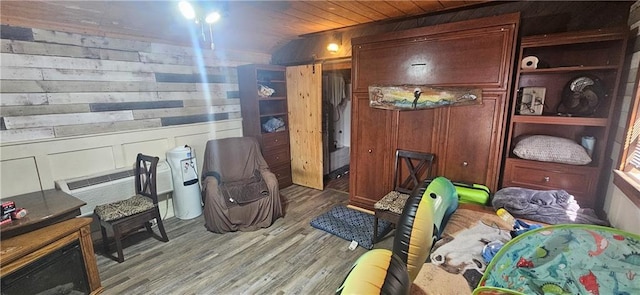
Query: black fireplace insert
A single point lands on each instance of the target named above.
(61, 272)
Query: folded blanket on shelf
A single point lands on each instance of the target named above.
(550, 206)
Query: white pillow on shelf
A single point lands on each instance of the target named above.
(547, 148)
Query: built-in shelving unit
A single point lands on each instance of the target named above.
(562, 58)
(264, 116)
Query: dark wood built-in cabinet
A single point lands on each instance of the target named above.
(258, 109)
(562, 58)
(467, 140)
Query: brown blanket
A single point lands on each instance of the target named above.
(236, 160)
(244, 191)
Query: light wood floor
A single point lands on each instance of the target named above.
(290, 257)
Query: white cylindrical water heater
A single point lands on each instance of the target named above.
(186, 190)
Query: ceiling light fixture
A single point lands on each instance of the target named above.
(333, 47)
(335, 41)
(202, 13)
(212, 17)
(187, 10)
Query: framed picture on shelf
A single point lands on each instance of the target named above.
(532, 100)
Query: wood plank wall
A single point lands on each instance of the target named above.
(73, 105)
(56, 84)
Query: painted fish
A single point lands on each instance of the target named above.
(467, 96)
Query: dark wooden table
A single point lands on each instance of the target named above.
(44, 208)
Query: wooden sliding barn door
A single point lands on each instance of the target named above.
(304, 101)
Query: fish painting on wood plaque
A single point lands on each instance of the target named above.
(416, 97)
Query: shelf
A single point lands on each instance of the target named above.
(570, 38)
(568, 69)
(273, 114)
(272, 98)
(558, 120)
(279, 131)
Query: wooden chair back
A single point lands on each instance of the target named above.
(146, 176)
(411, 169)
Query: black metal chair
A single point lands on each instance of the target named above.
(410, 170)
(131, 214)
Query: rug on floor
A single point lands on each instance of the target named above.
(351, 225)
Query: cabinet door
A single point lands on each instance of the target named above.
(370, 153)
(475, 57)
(417, 130)
(304, 101)
(471, 142)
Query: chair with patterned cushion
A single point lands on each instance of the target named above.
(124, 216)
(410, 170)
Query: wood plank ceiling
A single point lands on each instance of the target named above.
(260, 26)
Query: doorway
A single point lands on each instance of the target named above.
(336, 123)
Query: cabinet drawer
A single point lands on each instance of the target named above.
(579, 181)
(283, 174)
(277, 156)
(274, 140)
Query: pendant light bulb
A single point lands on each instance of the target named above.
(187, 10)
(212, 17)
(333, 47)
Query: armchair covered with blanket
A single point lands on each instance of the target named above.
(238, 189)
